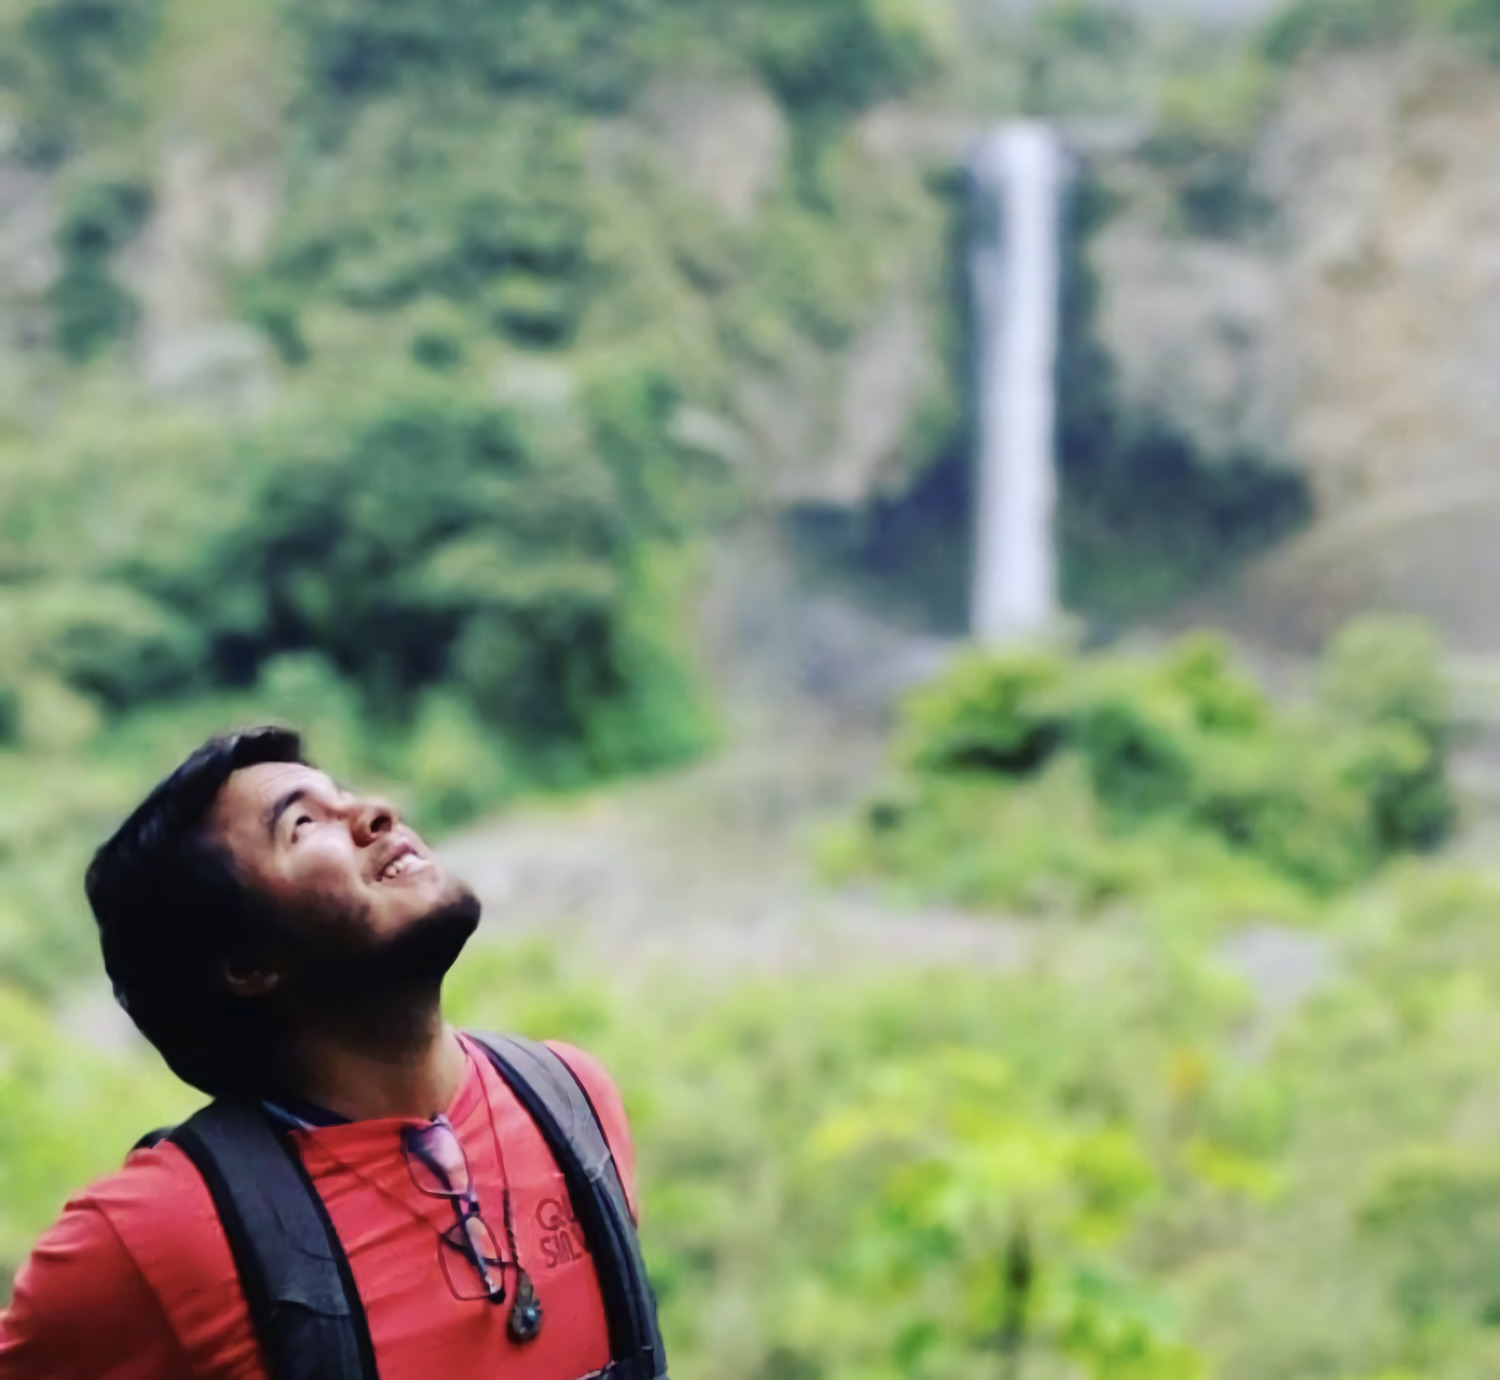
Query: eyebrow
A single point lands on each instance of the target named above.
(282, 805)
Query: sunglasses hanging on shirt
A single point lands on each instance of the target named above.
(435, 1156)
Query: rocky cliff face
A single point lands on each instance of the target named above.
(28, 259)
(1350, 325)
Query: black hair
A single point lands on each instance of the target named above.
(172, 911)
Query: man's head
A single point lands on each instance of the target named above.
(250, 892)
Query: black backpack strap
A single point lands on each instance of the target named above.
(556, 1101)
(296, 1278)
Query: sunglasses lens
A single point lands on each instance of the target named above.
(436, 1160)
(463, 1250)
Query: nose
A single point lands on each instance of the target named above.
(371, 819)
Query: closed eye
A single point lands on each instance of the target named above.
(298, 823)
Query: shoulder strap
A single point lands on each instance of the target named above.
(555, 1100)
(293, 1270)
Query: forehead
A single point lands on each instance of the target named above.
(248, 798)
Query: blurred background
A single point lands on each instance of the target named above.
(962, 656)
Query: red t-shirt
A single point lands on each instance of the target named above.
(136, 1282)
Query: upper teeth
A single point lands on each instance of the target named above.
(397, 866)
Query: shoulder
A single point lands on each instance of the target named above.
(161, 1211)
(155, 1205)
(161, 1208)
(606, 1100)
(83, 1303)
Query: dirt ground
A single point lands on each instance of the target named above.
(713, 866)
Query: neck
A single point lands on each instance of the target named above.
(397, 1059)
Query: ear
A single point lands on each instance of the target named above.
(245, 980)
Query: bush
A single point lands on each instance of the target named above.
(1382, 685)
(1434, 1213)
(843, 55)
(1137, 741)
(105, 640)
(431, 534)
(74, 64)
(1036, 783)
(983, 716)
(418, 537)
(90, 310)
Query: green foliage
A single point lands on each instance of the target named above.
(1382, 678)
(1385, 1221)
(426, 534)
(880, 1176)
(444, 217)
(358, 49)
(490, 222)
(1054, 787)
(522, 587)
(1307, 28)
(75, 64)
(1074, 50)
(90, 309)
(67, 1114)
(842, 56)
(419, 537)
(1477, 23)
(1008, 720)
(107, 641)
(454, 766)
(1436, 1214)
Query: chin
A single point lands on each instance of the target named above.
(428, 942)
(400, 904)
(408, 939)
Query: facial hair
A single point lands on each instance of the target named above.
(339, 965)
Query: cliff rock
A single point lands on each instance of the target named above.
(1351, 327)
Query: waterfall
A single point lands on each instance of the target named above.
(1018, 174)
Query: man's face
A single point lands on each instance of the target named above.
(348, 881)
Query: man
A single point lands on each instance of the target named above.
(283, 944)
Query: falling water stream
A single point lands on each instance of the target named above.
(1019, 173)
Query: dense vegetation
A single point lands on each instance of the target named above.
(1036, 783)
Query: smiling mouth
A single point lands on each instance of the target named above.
(403, 865)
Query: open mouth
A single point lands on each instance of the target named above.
(405, 862)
